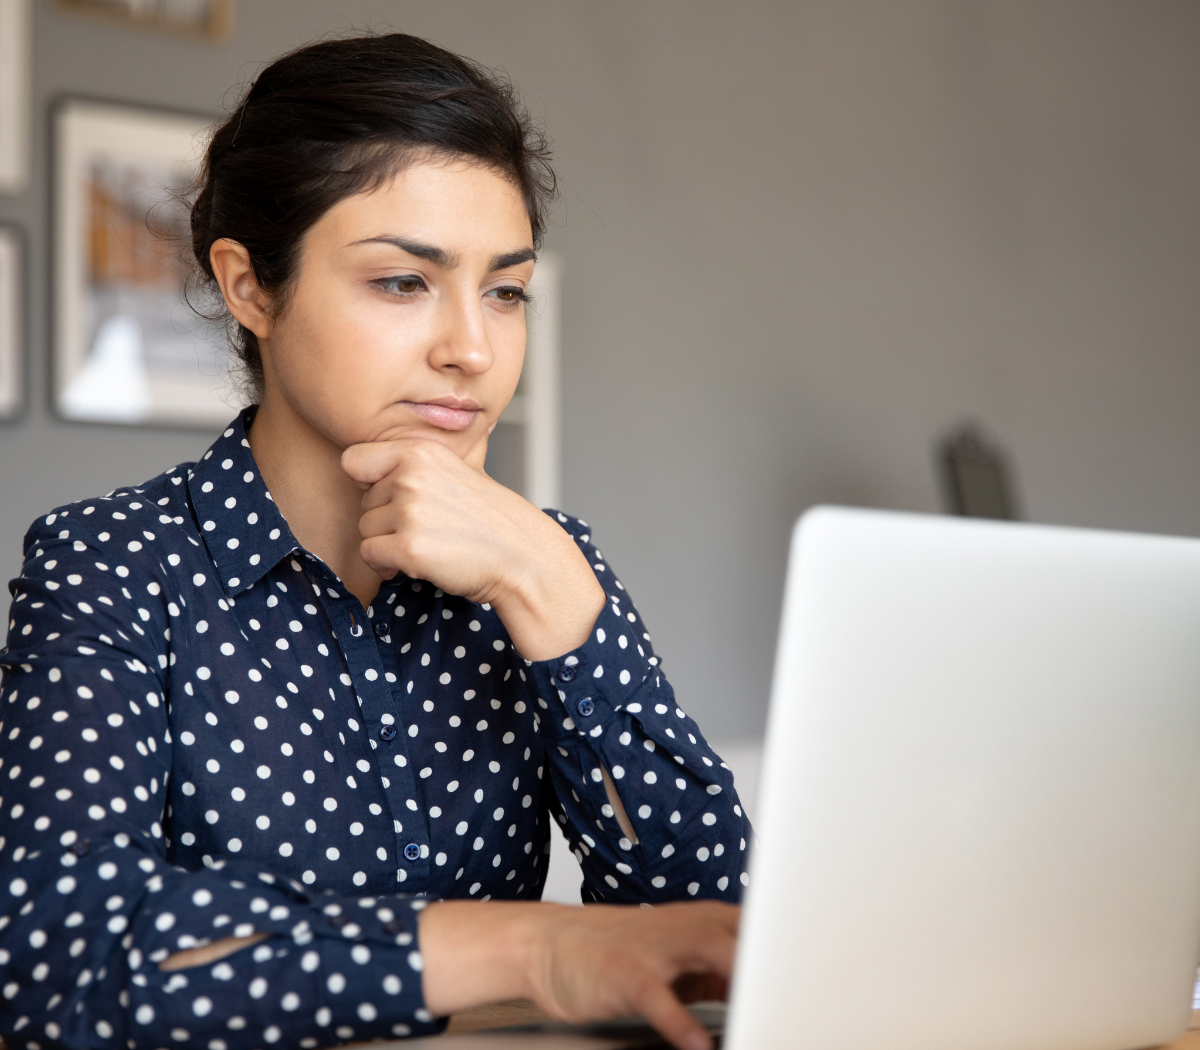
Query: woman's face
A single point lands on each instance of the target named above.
(408, 316)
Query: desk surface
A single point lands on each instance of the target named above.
(524, 1011)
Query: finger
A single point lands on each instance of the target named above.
(378, 556)
(700, 988)
(371, 461)
(658, 1005)
(381, 520)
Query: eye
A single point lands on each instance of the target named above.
(404, 284)
(511, 294)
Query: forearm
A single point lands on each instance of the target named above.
(479, 952)
(549, 604)
(578, 964)
(649, 809)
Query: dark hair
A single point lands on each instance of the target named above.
(340, 117)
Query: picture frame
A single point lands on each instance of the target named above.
(206, 19)
(127, 347)
(12, 323)
(15, 46)
(525, 449)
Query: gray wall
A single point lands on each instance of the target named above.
(801, 240)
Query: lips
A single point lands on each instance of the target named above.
(447, 413)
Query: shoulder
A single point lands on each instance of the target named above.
(130, 519)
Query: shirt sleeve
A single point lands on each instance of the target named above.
(90, 904)
(608, 705)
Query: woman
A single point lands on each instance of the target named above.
(280, 722)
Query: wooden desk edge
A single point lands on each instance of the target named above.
(524, 1011)
(505, 1014)
(514, 1012)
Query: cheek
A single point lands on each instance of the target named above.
(507, 337)
(322, 366)
(330, 343)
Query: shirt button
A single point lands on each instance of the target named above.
(81, 848)
(586, 707)
(387, 732)
(412, 851)
(567, 673)
(381, 629)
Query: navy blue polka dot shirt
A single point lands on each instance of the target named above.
(205, 735)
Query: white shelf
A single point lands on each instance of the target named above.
(535, 408)
(517, 411)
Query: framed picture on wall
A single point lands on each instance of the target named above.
(15, 46)
(212, 19)
(127, 347)
(12, 324)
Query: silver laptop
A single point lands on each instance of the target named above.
(980, 818)
(979, 825)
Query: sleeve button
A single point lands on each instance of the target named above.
(586, 707)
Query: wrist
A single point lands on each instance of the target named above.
(479, 952)
(525, 947)
(550, 602)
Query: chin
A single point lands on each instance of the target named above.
(457, 441)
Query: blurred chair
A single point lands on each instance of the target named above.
(976, 477)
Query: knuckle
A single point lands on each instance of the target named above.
(425, 453)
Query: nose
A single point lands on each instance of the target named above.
(462, 342)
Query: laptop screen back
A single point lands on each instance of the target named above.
(979, 821)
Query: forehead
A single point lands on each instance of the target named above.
(453, 204)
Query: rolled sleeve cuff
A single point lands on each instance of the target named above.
(335, 968)
(578, 692)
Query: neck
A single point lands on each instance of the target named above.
(302, 470)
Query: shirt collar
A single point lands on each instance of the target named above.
(240, 524)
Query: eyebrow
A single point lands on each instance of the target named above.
(448, 261)
(521, 255)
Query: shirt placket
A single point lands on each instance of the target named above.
(389, 744)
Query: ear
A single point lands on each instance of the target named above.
(245, 300)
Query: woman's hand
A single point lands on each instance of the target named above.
(433, 516)
(581, 964)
